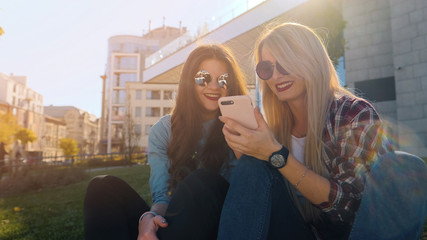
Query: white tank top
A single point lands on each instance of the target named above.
(298, 152)
(298, 148)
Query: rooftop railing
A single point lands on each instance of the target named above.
(208, 26)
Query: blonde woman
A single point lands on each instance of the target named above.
(304, 169)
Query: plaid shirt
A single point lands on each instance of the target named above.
(354, 137)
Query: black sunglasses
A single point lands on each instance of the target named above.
(203, 77)
(265, 69)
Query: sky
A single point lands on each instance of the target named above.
(61, 46)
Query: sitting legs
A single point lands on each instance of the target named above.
(195, 207)
(112, 209)
(258, 205)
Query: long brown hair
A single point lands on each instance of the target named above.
(187, 122)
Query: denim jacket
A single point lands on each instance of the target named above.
(158, 141)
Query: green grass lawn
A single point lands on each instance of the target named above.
(57, 213)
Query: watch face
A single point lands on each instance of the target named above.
(277, 160)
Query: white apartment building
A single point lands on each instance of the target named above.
(146, 103)
(26, 105)
(125, 64)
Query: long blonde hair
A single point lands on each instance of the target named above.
(299, 49)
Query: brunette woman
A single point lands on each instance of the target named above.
(189, 159)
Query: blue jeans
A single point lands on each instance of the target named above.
(258, 206)
(394, 204)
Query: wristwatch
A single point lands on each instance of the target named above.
(278, 159)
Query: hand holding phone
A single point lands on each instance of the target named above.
(238, 108)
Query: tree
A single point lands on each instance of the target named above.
(329, 17)
(132, 133)
(25, 135)
(325, 17)
(68, 146)
(8, 127)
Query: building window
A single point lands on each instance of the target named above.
(119, 96)
(147, 129)
(120, 79)
(138, 94)
(377, 90)
(125, 62)
(153, 94)
(152, 112)
(117, 131)
(137, 129)
(166, 110)
(119, 113)
(168, 95)
(138, 112)
(49, 130)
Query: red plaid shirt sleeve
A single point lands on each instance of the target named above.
(354, 137)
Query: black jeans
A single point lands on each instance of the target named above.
(112, 208)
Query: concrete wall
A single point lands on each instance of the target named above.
(409, 40)
(388, 38)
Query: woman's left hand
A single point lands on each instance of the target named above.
(259, 143)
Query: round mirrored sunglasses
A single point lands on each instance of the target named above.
(203, 77)
(265, 69)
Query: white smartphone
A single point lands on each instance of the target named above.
(240, 109)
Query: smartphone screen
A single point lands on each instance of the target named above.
(240, 109)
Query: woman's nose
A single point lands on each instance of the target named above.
(213, 84)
